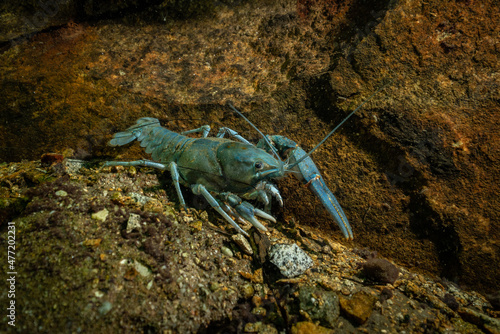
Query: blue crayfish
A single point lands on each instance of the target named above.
(224, 171)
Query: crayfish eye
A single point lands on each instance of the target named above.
(258, 165)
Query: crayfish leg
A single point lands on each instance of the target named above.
(199, 189)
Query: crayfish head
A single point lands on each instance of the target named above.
(247, 165)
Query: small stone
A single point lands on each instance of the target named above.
(61, 193)
(345, 291)
(259, 327)
(263, 244)
(252, 327)
(290, 259)
(51, 158)
(450, 301)
(132, 171)
(226, 251)
(116, 196)
(245, 274)
(247, 291)
(335, 247)
(101, 215)
(197, 225)
(380, 271)
(170, 213)
(258, 276)
(257, 301)
(259, 311)
(386, 294)
(214, 286)
(142, 269)
(359, 307)
(131, 274)
(73, 165)
(153, 205)
(92, 242)
(105, 308)
(134, 222)
(320, 305)
(243, 243)
(306, 327)
(141, 199)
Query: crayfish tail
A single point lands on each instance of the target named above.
(143, 125)
(122, 138)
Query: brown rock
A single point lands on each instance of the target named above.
(130, 274)
(451, 301)
(359, 307)
(51, 158)
(306, 327)
(488, 324)
(380, 271)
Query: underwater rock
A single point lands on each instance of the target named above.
(450, 301)
(243, 243)
(359, 307)
(226, 251)
(105, 308)
(48, 159)
(494, 299)
(306, 327)
(183, 272)
(320, 305)
(134, 222)
(101, 215)
(290, 259)
(380, 271)
(61, 193)
(141, 199)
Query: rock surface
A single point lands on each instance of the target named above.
(359, 308)
(173, 275)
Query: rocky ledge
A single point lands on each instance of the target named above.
(106, 250)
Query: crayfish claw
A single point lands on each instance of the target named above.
(275, 193)
(263, 188)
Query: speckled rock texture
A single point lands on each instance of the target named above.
(415, 170)
(290, 259)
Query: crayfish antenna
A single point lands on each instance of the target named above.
(338, 126)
